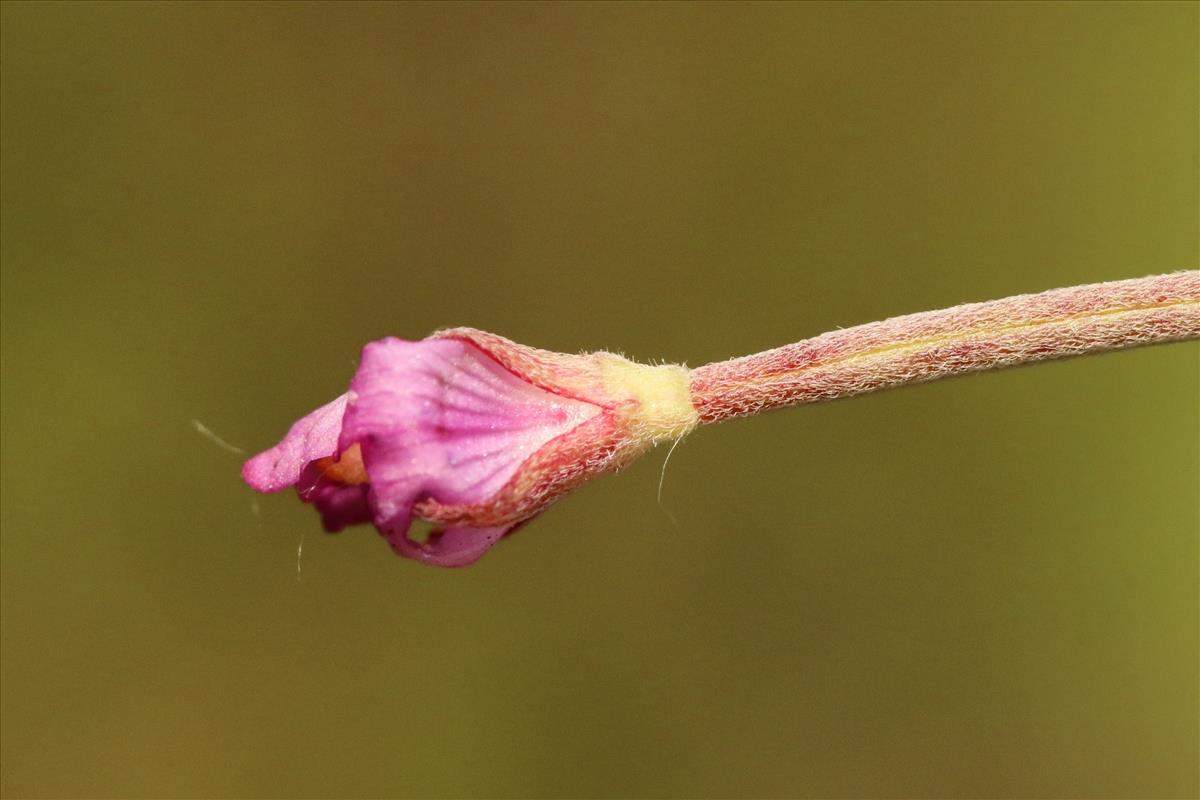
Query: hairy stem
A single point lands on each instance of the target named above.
(938, 344)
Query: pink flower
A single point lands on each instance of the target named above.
(472, 432)
(478, 434)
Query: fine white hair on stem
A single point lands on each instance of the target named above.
(662, 477)
(204, 431)
(299, 554)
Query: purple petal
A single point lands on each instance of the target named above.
(315, 436)
(453, 547)
(340, 505)
(441, 419)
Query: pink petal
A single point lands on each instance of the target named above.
(441, 419)
(315, 436)
(453, 547)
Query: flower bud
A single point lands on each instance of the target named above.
(472, 432)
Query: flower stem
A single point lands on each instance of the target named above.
(939, 344)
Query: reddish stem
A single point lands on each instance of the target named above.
(938, 344)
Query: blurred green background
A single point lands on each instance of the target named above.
(983, 587)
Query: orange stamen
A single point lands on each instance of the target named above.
(348, 469)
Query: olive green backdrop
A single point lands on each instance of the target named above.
(983, 587)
